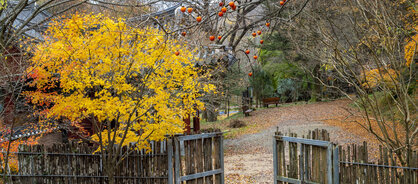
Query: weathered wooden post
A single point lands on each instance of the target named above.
(170, 159)
(196, 122)
(187, 124)
(336, 164)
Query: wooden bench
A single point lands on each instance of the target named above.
(274, 100)
(246, 110)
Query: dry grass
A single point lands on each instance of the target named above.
(236, 124)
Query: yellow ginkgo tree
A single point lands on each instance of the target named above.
(134, 84)
(411, 24)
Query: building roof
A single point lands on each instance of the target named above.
(25, 131)
(165, 12)
(38, 21)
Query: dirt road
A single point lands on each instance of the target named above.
(249, 158)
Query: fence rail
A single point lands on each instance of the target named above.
(199, 159)
(300, 160)
(309, 160)
(377, 165)
(186, 159)
(75, 163)
(355, 166)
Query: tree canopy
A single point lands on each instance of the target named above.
(110, 72)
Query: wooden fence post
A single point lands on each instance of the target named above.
(177, 161)
(170, 159)
(279, 157)
(301, 162)
(207, 154)
(275, 173)
(329, 164)
(217, 158)
(221, 155)
(336, 165)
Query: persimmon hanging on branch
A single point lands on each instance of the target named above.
(223, 9)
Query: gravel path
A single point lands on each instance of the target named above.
(249, 158)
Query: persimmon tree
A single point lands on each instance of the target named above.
(223, 30)
(135, 85)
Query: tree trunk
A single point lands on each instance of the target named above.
(205, 115)
(109, 164)
(316, 88)
(211, 115)
(227, 108)
(111, 179)
(109, 170)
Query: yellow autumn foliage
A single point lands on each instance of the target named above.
(411, 49)
(380, 78)
(13, 161)
(111, 71)
(411, 23)
(3, 4)
(388, 78)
